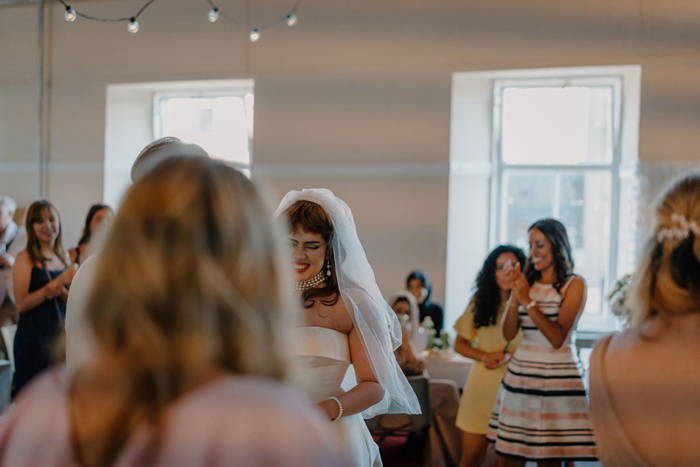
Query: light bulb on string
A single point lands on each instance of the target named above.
(69, 14)
(213, 15)
(255, 35)
(292, 20)
(133, 26)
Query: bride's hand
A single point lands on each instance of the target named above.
(330, 408)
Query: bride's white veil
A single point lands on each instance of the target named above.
(374, 320)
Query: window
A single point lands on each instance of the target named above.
(219, 121)
(216, 114)
(556, 154)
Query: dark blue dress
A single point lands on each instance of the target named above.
(37, 330)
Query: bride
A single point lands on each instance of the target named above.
(347, 347)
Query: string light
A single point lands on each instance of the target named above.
(133, 25)
(69, 15)
(254, 34)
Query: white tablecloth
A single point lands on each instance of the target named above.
(448, 365)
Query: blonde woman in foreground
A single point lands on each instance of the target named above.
(644, 398)
(189, 313)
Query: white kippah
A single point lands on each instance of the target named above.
(151, 156)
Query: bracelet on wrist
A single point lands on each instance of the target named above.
(340, 407)
(483, 358)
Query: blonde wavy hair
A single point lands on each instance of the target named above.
(189, 286)
(667, 280)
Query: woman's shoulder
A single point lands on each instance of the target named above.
(575, 280)
(23, 258)
(616, 349)
(39, 417)
(470, 310)
(574, 283)
(465, 323)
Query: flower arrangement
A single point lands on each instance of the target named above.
(617, 298)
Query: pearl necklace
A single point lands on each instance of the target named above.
(309, 284)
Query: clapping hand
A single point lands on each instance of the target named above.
(519, 285)
(52, 290)
(66, 277)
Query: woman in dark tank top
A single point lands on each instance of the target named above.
(41, 276)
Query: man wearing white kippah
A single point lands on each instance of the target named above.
(79, 343)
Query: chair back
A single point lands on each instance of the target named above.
(390, 424)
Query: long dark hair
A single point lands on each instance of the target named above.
(34, 214)
(561, 251)
(312, 218)
(87, 233)
(487, 297)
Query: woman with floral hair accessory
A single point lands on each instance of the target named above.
(348, 344)
(659, 352)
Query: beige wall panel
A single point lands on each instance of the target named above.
(73, 194)
(22, 187)
(341, 121)
(18, 124)
(19, 45)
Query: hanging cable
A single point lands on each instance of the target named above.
(289, 18)
(133, 26)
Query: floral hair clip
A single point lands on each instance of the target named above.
(681, 231)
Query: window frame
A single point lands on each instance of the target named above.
(160, 97)
(498, 167)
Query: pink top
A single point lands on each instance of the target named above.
(237, 420)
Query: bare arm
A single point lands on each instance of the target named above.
(465, 348)
(511, 321)
(489, 359)
(570, 311)
(366, 393)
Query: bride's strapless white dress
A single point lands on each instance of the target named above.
(322, 358)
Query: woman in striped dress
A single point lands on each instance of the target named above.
(541, 413)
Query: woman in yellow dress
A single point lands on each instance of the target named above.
(479, 336)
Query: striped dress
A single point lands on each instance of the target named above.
(541, 412)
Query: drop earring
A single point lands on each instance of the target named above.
(328, 267)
